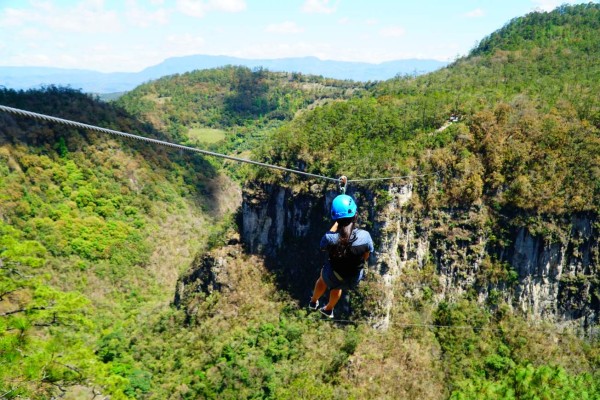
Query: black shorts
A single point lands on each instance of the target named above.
(334, 282)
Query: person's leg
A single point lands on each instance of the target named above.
(334, 297)
(320, 288)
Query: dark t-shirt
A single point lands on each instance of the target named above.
(353, 261)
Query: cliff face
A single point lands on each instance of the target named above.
(554, 277)
(286, 227)
(560, 280)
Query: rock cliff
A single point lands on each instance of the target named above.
(549, 275)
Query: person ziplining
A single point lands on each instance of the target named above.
(348, 250)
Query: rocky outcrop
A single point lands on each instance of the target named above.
(225, 282)
(203, 277)
(558, 279)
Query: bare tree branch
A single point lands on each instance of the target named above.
(21, 310)
(69, 367)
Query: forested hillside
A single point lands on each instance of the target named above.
(230, 104)
(527, 98)
(93, 234)
(123, 272)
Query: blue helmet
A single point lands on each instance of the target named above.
(343, 206)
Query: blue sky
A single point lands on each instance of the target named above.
(129, 35)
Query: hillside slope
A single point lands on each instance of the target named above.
(240, 102)
(520, 171)
(528, 137)
(93, 233)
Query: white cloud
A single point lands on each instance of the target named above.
(199, 8)
(228, 5)
(476, 13)
(319, 6)
(392, 31)
(287, 27)
(32, 59)
(12, 17)
(137, 16)
(32, 34)
(344, 21)
(180, 45)
(371, 21)
(547, 5)
(87, 16)
(193, 8)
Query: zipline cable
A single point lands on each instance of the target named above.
(390, 178)
(357, 322)
(76, 124)
(156, 141)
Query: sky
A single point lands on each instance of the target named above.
(130, 35)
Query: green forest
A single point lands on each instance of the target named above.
(95, 231)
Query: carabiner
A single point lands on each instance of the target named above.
(343, 184)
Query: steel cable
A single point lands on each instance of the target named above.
(75, 124)
(156, 141)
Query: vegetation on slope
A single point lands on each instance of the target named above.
(86, 224)
(529, 136)
(249, 340)
(241, 101)
(526, 151)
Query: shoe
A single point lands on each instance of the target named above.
(313, 306)
(327, 313)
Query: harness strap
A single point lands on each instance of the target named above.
(337, 275)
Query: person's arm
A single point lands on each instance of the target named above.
(371, 248)
(334, 227)
(324, 240)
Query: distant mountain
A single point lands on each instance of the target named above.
(307, 65)
(99, 82)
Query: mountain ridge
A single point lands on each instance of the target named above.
(14, 77)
